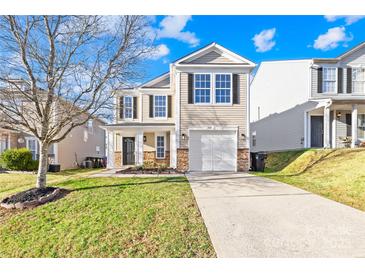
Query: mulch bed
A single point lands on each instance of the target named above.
(133, 170)
(33, 197)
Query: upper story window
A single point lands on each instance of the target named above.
(160, 106)
(202, 88)
(223, 88)
(89, 126)
(358, 80)
(128, 107)
(329, 80)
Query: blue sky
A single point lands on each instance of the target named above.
(277, 37)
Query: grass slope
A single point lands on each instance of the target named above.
(336, 174)
(110, 217)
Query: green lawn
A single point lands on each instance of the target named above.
(108, 217)
(336, 174)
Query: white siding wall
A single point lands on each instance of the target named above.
(279, 86)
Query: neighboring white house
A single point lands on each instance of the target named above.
(309, 103)
(194, 117)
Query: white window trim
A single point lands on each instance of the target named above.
(336, 79)
(210, 91)
(212, 88)
(164, 144)
(154, 101)
(360, 113)
(231, 90)
(124, 108)
(357, 81)
(36, 145)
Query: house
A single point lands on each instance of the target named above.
(193, 118)
(84, 141)
(317, 103)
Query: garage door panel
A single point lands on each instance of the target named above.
(212, 150)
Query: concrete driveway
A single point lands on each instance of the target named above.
(249, 216)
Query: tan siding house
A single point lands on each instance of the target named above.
(192, 118)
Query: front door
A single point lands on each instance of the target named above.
(316, 131)
(128, 151)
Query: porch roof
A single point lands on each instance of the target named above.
(138, 126)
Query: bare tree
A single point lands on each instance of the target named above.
(71, 65)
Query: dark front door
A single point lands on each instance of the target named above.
(316, 131)
(128, 151)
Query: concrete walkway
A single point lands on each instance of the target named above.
(249, 216)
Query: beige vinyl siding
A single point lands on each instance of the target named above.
(314, 76)
(192, 116)
(74, 146)
(210, 58)
(146, 111)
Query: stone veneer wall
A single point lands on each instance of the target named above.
(150, 156)
(182, 158)
(243, 159)
(117, 159)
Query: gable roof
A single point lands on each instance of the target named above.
(227, 57)
(343, 55)
(162, 81)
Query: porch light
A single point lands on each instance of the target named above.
(183, 136)
(338, 115)
(144, 139)
(243, 136)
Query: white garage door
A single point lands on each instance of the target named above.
(212, 150)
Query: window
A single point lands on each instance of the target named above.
(89, 126)
(223, 88)
(160, 106)
(202, 88)
(254, 138)
(32, 145)
(3, 143)
(361, 126)
(160, 147)
(329, 80)
(358, 80)
(128, 107)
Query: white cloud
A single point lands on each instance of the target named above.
(159, 52)
(349, 19)
(173, 27)
(332, 39)
(264, 40)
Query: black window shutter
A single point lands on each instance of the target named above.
(190, 88)
(169, 108)
(348, 125)
(319, 80)
(151, 106)
(121, 109)
(349, 80)
(339, 80)
(135, 108)
(235, 92)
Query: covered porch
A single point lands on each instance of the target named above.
(136, 144)
(335, 124)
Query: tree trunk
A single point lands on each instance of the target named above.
(43, 165)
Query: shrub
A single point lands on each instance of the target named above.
(18, 159)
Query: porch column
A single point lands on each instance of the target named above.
(354, 126)
(172, 148)
(110, 149)
(139, 147)
(326, 128)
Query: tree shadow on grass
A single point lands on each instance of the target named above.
(165, 180)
